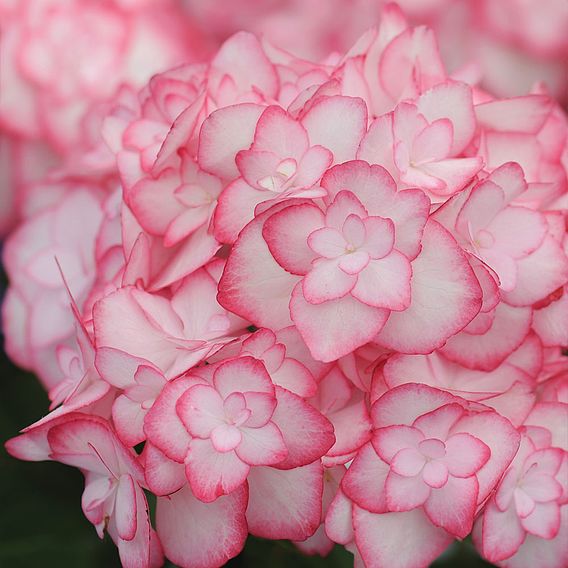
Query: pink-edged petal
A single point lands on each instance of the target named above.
(285, 504)
(223, 134)
(345, 204)
(405, 493)
(485, 201)
(543, 521)
(163, 475)
(307, 434)
(398, 540)
(138, 550)
(326, 281)
(341, 135)
(438, 423)
(279, 133)
(454, 173)
(125, 508)
(502, 533)
(352, 428)
(253, 284)
(465, 455)
(530, 225)
(262, 446)
(327, 242)
(433, 143)
(377, 191)
(162, 424)
(257, 165)
(355, 262)
(515, 114)
(312, 166)
(201, 410)
(128, 418)
(355, 230)
(385, 283)
(286, 233)
(225, 437)
(338, 521)
(445, 296)
(196, 534)
(502, 439)
(262, 407)
(485, 352)
(212, 474)
(390, 440)
(235, 208)
(365, 480)
(117, 367)
(453, 506)
(295, 376)
(539, 274)
(348, 324)
(435, 474)
(380, 236)
(454, 101)
(243, 374)
(408, 462)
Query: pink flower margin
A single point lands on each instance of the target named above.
(323, 302)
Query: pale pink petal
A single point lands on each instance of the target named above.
(225, 437)
(223, 134)
(341, 135)
(312, 166)
(125, 508)
(243, 374)
(286, 234)
(408, 462)
(326, 281)
(200, 408)
(390, 440)
(279, 133)
(348, 324)
(285, 504)
(385, 283)
(235, 208)
(405, 493)
(327, 242)
(253, 284)
(307, 434)
(465, 455)
(219, 534)
(543, 521)
(163, 475)
(502, 533)
(510, 328)
(445, 296)
(212, 474)
(364, 481)
(453, 506)
(262, 446)
(398, 540)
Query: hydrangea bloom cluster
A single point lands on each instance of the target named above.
(323, 302)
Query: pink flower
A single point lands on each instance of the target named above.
(526, 514)
(113, 499)
(431, 464)
(280, 164)
(348, 263)
(422, 144)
